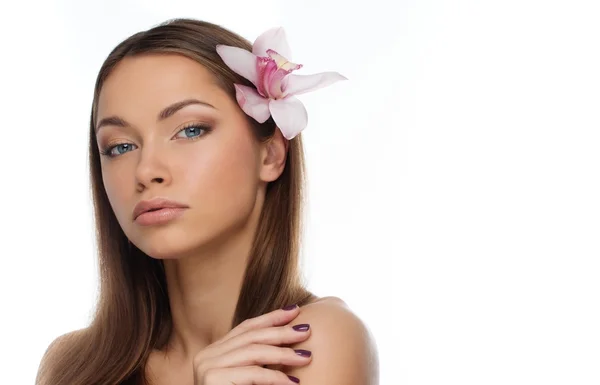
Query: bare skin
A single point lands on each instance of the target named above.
(164, 372)
(221, 175)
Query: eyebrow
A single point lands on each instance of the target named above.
(164, 114)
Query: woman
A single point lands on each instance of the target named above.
(197, 175)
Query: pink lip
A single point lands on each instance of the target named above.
(158, 217)
(157, 206)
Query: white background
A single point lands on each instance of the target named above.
(454, 179)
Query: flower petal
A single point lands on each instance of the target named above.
(266, 68)
(274, 39)
(299, 84)
(252, 103)
(290, 116)
(241, 61)
(283, 62)
(269, 78)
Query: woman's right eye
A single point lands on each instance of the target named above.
(110, 151)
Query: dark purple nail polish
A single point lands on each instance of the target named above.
(295, 379)
(301, 327)
(290, 307)
(303, 353)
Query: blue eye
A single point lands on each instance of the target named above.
(192, 129)
(109, 151)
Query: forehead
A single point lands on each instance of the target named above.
(149, 82)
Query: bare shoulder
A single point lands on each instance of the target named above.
(343, 348)
(54, 350)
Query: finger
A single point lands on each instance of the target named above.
(248, 375)
(275, 318)
(279, 335)
(257, 354)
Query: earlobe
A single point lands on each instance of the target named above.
(274, 157)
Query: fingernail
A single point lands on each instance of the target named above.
(301, 327)
(290, 307)
(302, 352)
(295, 379)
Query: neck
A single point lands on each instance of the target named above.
(204, 289)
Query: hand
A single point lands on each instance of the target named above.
(238, 358)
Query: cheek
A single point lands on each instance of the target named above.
(222, 182)
(116, 193)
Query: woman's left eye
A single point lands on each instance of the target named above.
(193, 131)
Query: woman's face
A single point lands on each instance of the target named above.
(204, 157)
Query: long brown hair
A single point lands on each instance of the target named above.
(132, 315)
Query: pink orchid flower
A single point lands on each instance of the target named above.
(269, 68)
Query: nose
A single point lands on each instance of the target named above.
(152, 168)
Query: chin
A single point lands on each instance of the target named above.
(174, 245)
(162, 249)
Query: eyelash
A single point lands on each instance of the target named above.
(204, 127)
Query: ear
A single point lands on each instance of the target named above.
(273, 157)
